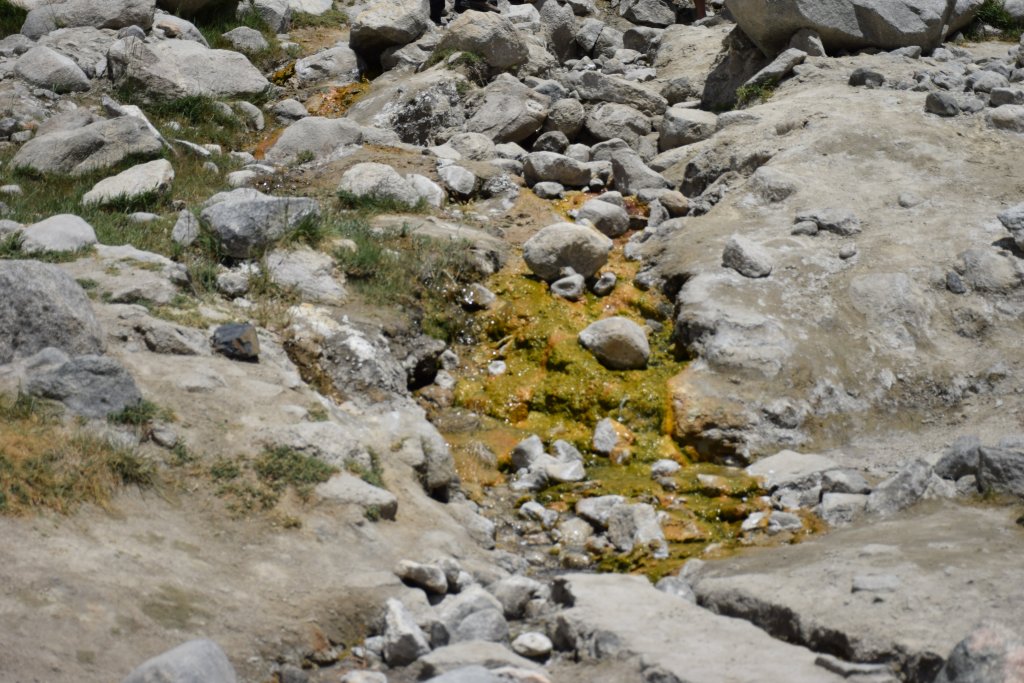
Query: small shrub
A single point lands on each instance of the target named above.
(10, 246)
(279, 467)
(140, 414)
(754, 94)
(225, 470)
(372, 475)
(305, 156)
(993, 13)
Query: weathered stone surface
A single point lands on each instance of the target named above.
(632, 527)
(618, 343)
(245, 39)
(90, 386)
(316, 135)
(95, 146)
(96, 13)
(44, 68)
(852, 24)
(490, 35)
(247, 221)
(551, 167)
(746, 257)
(404, 641)
(377, 181)
(566, 245)
(153, 177)
(1001, 469)
(681, 126)
(196, 660)
(594, 86)
(384, 24)
(172, 69)
(991, 653)
(43, 307)
(608, 218)
(237, 341)
(338, 64)
(593, 632)
(610, 120)
(430, 578)
(507, 111)
(474, 656)
(804, 595)
(63, 232)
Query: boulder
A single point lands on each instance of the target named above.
(60, 233)
(388, 23)
(636, 526)
(559, 28)
(594, 86)
(556, 168)
(1013, 220)
(609, 120)
(852, 24)
(681, 126)
(172, 27)
(93, 147)
(901, 490)
(245, 221)
(309, 273)
(90, 386)
(566, 245)
(97, 13)
(490, 35)
(648, 12)
(338, 64)
(276, 14)
(1001, 469)
(378, 181)
(43, 307)
(618, 343)
(151, 178)
(196, 660)
(566, 116)
(610, 219)
(348, 489)
(248, 40)
(404, 641)
(44, 68)
(316, 135)
(429, 577)
(171, 69)
(507, 111)
(630, 174)
(991, 653)
(419, 108)
(746, 257)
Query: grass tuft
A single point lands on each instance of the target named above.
(747, 95)
(994, 13)
(12, 18)
(332, 18)
(368, 205)
(44, 465)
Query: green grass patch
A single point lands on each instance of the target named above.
(258, 484)
(994, 13)
(747, 95)
(368, 205)
(396, 267)
(279, 467)
(332, 18)
(372, 475)
(12, 18)
(45, 465)
(141, 414)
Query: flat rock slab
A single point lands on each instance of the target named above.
(934, 575)
(672, 639)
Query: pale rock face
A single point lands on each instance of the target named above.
(153, 177)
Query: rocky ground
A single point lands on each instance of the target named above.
(564, 342)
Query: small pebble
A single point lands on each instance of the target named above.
(496, 367)
(847, 251)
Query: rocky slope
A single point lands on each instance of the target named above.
(340, 346)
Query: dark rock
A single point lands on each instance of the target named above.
(237, 341)
(866, 78)
(91, 386)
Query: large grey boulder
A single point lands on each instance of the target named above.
(566, 245)
(552, 167)
(194, 661)
(45, 68)
(172, 69)
(246, 221)
(901, 490)
(852, 24)
(558, 24)
(90, 386)
(96, 146)
(566, 116)
(60, 233)
(43, 307)
(648, 12)
(991, 653)
(316, 135)
(388, 23)
(610, 120)
(507, 111)
(309, 273)
(680, 126)
(153, 177)
(630, 174)
(419, 108)
(378, 181)
(97, 13)
(404, 641)
(487, 34)
(617, 342)
(594, 86)
(338, 64)
(1001, 469)
(610, 219)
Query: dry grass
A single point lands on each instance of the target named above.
(45, 465)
